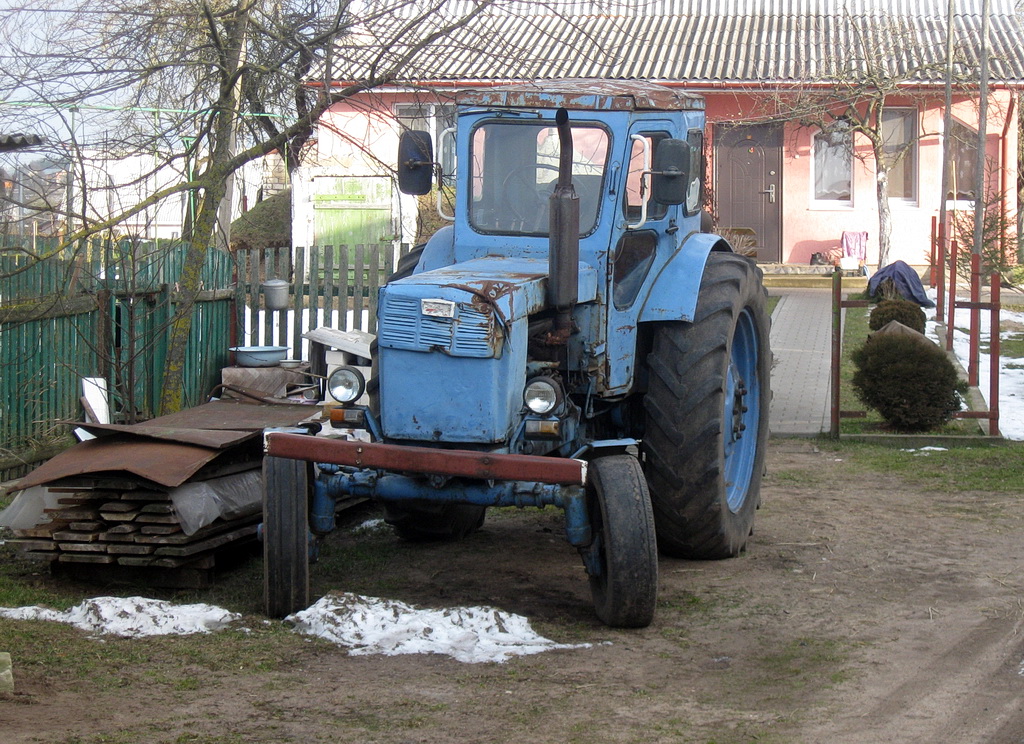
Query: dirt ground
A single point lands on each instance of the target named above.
(864, 610)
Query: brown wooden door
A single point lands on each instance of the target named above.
(748, 187)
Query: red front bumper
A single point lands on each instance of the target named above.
(426, 460)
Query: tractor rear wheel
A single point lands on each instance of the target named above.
(624, 567)
(707, 414)
(285, 536)
(424, 522)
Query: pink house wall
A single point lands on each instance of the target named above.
(808, 228)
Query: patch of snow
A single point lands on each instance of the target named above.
(371, 526)
(924, 451)
(131, 617)
(1011, 381)
(367, 625)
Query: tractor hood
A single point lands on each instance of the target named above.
(453, 348)
(462, 310)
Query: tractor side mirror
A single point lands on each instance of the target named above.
(415, 162)
(671, 171)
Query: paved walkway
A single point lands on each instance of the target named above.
(801, 340)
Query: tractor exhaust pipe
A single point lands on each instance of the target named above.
(564, 237)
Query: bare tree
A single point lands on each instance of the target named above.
(204, 87)
(877, 62)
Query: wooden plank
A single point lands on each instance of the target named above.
(42, 530)
(81, 547)
(242, 533)
(123, 529)
(205, 561)
(73, 515)
(158, 519)
(119, 506)
(78, 499)
(158, 509)
(161, 529)
(211, 530)
(85, 558)
(86, 526)
(119, 516)
(150, 495)
(130, 549)
(116, 537)
(83, 537)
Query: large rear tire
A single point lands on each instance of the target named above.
(285, 536)
(624, 585)
(427, 522)
(707, 414)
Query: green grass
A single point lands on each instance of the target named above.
(992, 468)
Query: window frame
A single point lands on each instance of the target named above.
(911, 159)
(825, 203)
(954, 200)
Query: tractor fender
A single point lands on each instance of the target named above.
(673, 293)
(439, 250)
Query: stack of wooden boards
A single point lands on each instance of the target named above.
(128, 526)
(113, 516)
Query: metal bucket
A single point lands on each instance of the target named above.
(275, 294)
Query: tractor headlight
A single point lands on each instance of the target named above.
(346, 384)
(542, 395)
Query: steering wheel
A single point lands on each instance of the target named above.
(523, 196)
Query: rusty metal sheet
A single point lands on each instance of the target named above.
(165, 463)
(426, 460)
(215, 438)
(234, 415)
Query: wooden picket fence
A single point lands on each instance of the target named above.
(332, 286)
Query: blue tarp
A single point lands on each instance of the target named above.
(907, 282)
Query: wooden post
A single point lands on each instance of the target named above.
(972, 361)
(940, 288)
(993, 359)
(837, 333)
(952, 294)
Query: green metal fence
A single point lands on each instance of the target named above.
(101, 309)
(97, 309)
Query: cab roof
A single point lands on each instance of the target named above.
(587, 94)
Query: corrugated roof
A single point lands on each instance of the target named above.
(9, 142)
(700, 42)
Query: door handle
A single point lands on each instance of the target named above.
(771, 193)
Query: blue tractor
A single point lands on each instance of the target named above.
(573, 338)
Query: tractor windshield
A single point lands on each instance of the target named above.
(515, 169)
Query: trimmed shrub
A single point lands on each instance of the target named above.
(909, 380)
(906, 312)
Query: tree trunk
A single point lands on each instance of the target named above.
(189, 285)
(214, 182)
(884, 214)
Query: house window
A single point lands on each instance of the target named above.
(833, 165)
(961, 169)
(899, 148)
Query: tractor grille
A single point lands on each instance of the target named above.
(469, 334)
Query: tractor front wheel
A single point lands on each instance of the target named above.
(623, 559)
(285, 536)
